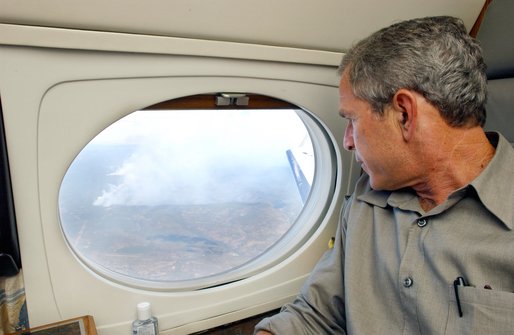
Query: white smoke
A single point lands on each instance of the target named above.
(197, 156)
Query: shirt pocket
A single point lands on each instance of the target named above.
(483, 312)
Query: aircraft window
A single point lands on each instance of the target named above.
(185, 197)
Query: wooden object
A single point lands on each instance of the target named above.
(84, 325)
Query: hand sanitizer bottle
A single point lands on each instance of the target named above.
(146, 324)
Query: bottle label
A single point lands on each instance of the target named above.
(146, 330)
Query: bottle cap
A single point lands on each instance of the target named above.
(143, 311)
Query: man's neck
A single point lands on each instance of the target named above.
(459, 157)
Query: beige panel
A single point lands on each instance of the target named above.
(56, 100)
(324, 25)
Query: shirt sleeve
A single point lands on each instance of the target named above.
(319, 308)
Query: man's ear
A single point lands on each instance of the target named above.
(406, 109)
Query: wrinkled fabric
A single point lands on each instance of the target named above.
(13, 309)
(393, 265)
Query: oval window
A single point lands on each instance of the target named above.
(174, 197)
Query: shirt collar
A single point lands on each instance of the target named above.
(404, 199)
(493, 186)
(367, 194)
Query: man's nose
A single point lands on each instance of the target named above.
(348, 143)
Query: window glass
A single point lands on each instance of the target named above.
(177, 195)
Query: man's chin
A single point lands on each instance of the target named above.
(376, 188)
(384, 187)
(377, 185)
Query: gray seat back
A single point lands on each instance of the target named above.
(496, 36)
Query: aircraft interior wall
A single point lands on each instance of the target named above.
(65, 77)
(70, 97)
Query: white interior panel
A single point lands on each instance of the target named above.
(322, 25)
(58, 100)
(68, 69)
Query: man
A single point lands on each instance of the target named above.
(426, 242)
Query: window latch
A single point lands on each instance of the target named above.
(232, 99)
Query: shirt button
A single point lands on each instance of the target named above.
(422, 223)
(407, 282)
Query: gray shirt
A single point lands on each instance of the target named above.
(393, 266)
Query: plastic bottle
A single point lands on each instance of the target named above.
(146, 324)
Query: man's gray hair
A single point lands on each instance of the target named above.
(434, 56)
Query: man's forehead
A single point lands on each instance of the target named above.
(345, 93)
(345, 87)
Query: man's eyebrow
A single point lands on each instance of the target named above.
(343, 114)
